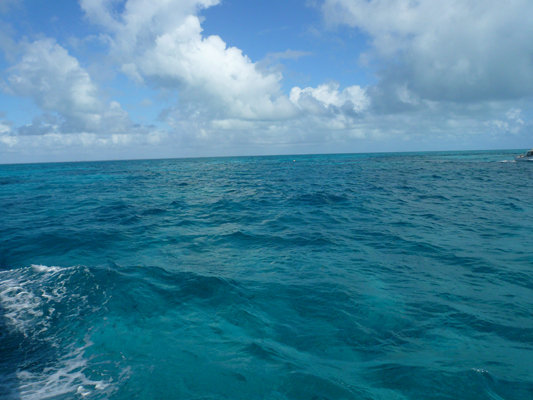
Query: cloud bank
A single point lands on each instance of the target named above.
(444, 71)
(161, 42)
(453, 50)
(220, 89)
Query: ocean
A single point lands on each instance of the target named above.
(355, 276)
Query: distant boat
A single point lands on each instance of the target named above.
(525, 157)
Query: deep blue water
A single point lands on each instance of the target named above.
(371, 276)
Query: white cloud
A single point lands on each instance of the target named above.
(141, 21)
(222, 94)
(8, 140)
(130, 70)
(232, 124)
(207, 71)
(454, 50)
(55, 79)
(5, 127)
(443, 68)
(514, 114)
(41, 125)
(351, 98)
(161, 42)
(58, 84)
(6, 133)
(54, 146)
(513, 123)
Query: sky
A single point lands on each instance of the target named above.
(128, 79)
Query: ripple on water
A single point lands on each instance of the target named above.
(391, 276)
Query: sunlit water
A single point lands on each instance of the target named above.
(384, 276)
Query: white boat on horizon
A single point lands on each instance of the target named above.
(525, 157)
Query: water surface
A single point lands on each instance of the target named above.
(362, 276)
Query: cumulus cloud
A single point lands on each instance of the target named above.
(446, 50)
(130, 70)
(161, 42)
(512, 123)
(215, 82)
(328, 99)
(58, 84)
(81, 146)
(5, 127)
(445, 71)
(41, 125)
(6, 132)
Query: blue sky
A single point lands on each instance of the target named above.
(118, 79)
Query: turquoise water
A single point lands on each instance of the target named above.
(363, 276)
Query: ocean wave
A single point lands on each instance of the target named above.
(346, 276)
(40, 358)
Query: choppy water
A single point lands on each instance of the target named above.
(385, 276)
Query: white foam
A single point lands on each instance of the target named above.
(67, 377)
(29, 297)
(23, 294)
(81, 391)
(21, 306)
(45, 269)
